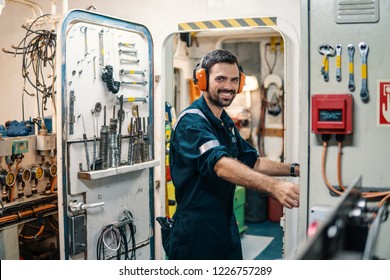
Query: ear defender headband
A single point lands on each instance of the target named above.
(201, 78)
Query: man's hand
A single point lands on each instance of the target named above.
(287, 193)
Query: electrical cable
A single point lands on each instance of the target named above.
(38, 49)
(114, 238)
(383, 200)
(339, 139)
(41, 229)
(129, 220)
(385, 195)
(19, 215)
(324, 177)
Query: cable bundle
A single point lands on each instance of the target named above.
(114, 237)
(38, 48)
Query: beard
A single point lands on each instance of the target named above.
(222, 97)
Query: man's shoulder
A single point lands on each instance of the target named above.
(191, 115)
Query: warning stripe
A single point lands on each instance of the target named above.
(227, 23)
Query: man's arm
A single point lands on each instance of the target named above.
(287, 193)
(273, 168)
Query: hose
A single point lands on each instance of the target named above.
(108, 78)
(368, 195)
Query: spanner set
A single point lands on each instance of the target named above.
(327, 51)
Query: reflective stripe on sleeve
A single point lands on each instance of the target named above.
(189, 111)
(208, 145)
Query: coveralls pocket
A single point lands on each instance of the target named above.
(178, 246)
(166, 230)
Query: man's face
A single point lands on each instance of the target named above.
(223, 84)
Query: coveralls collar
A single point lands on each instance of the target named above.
(220, 123)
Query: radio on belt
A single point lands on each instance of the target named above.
(332, 113)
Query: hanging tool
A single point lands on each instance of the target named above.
(101, 46)
(94, 68)
(363, 48)
(94, 141)
(86, 146)
(351, 53)
(326, 50)
(131, 142)
(338, 62)
(128, 61)
(72, 100)
(108, 78)
(113, 141)
(130, 52)
(129, 45)
(145, 151)
(84, 30)
(140, 139)
(134, 99)
(121, 116)
(131, 72)
(103, 147)
(130, 155)
(134, 83)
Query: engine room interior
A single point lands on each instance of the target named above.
(90, 97)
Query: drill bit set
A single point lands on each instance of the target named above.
(111, 142)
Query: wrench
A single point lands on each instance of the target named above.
(351, 83)
(338, 63)
(326, 51)
(363, 48)
(84, 30)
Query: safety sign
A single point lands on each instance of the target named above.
(384, 103)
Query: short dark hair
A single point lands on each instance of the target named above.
(218, 56)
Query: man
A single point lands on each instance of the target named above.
(208, 158)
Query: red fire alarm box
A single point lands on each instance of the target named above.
(332, 113)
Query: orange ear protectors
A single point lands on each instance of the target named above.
(201, 78)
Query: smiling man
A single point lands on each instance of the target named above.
(208, 158)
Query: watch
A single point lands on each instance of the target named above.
(292, 169)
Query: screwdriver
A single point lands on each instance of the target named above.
(86, 146)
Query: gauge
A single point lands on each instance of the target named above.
(10, 179)
(24, 175)
(50, 169)
(37, 172)
(7, 178)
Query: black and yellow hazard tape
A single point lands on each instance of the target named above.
(227, 23)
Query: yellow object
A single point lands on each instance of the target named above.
(171, 199)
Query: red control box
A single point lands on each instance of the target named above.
(332, 113)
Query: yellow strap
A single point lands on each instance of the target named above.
(364, 71)
(338, 61)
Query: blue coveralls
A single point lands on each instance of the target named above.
(205, 226)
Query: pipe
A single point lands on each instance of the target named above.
(39, 9)
(53, 7)
(24, 3)
(34, 6)
(64, 6)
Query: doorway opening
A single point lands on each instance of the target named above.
(258, 113)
